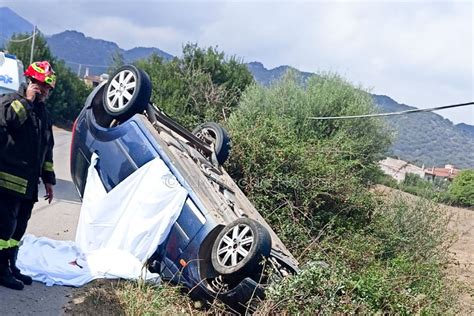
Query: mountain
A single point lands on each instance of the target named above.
(422, 138)
(144, 52)
(428, 138)
(81, 52)
(266, 76)
(465, 128)
(11, 23)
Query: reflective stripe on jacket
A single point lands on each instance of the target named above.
(26, 143)
(5, 244)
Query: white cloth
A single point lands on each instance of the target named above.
(117, 231)
(53, 262)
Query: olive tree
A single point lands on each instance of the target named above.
(202, 85)
(462, 188)
(303, 173)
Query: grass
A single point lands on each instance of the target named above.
(435, 191)
(119, 297)
(139, 298)
(395, 265)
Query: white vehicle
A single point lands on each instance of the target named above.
(11, 73)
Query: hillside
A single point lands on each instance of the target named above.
(466, 128)
(11, 23)
(428, 138)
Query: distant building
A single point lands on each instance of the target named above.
(93, 81)
(447, 173)
(398, 169)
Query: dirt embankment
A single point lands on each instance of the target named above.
(462, 248)
(462, 225)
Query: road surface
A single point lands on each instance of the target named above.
(57, 220)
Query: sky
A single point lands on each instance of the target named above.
(419, 53)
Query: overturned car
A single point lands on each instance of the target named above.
(220, 246)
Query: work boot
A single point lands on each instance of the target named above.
(6, 277)
(13, 254)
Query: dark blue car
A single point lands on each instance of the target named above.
(220, 246)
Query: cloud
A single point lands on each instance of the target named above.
(163, 37)
(419, 53)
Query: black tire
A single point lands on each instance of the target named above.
(214, 134)
(127, 93)
(240, 257)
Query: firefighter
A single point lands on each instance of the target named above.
(26, 144)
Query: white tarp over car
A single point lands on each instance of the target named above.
(117, 231)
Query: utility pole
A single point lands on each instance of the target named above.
(79, 71)
(33, 45)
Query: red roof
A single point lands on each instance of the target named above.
(442, 172)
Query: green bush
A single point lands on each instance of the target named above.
(436, 191)
(69, 96)
(310, 180)
(202, 85)
(416, 180)
(462, 188)
(384, 179)
(393, 266)
(300, 173)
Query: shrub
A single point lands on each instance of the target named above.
(436, 191)
(202, 85)
(300, 173)
(394, 266)
(462, 188)
(310, 181)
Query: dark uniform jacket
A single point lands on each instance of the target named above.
(26, 146)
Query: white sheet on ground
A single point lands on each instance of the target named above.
(117, 231)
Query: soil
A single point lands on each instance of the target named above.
(463, 251)
(96, 298)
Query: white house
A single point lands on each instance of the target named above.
(398, 169)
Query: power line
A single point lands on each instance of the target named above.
(66, 61)
(391, 113)
(17, 41)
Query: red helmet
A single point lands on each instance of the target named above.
(43, 72)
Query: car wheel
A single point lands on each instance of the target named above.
(127, 93)
(214, 134)
(239, 249)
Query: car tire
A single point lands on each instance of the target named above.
(214, 134)
(127, 93)
(239, 249)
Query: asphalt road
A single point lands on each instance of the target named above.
(57, 220)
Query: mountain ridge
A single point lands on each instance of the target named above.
(96, 54)
(12, 23)
(427, 138)
(422, 138)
